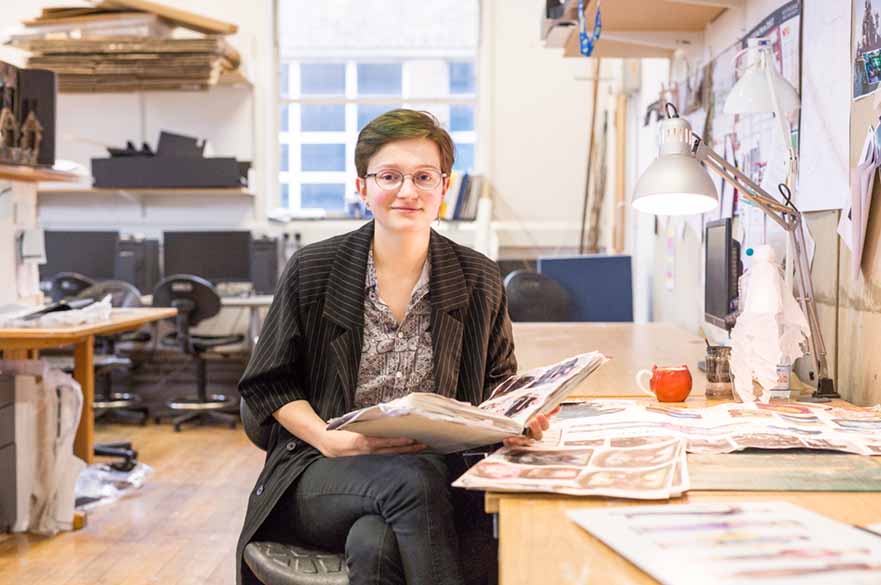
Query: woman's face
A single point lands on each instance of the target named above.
(406, 208)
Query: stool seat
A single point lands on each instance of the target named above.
(274, 563)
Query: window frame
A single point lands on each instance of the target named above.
(291, 97)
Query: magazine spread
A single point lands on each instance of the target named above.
(647, 471)
(737, 542)
(723, 428)
(447, 425)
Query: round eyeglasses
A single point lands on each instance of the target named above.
(424, 180)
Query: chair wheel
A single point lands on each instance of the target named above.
(123, 466)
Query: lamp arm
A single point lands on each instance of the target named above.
(749, 190)
(790, 219)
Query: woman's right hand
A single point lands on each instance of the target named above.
(347, 443)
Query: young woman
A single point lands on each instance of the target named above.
(363, 318)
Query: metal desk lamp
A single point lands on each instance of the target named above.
(677, 184)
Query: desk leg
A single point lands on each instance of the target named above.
(84, 372)
(253, 327)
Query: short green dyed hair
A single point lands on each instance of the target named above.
(402, 124)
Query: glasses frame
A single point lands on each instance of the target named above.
(404, 178)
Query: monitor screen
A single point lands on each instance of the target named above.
(215, 256)
(719, 287)
(91, 254)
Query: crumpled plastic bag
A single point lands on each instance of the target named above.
(47, 416)
(94, 313)
(100, 484)
(770, 330)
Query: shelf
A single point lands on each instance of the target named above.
(144, 192)
(35, 174)
(641, 29)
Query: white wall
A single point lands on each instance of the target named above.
(683, 304)
(236, 121)
(539, 118)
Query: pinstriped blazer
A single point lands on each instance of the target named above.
(310, 347)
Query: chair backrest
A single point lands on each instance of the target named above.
(122, 294)
(194, 297)
(258, 433)
(536, 297)
(65, 285)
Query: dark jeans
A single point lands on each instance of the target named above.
(396, 518)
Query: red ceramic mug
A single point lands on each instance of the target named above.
(667, 384)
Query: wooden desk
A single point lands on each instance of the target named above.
(25, 343)
(631, 346)
(538, 544)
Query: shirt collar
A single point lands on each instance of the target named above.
(420, 289)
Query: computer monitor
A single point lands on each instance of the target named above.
(723, 269)
(91, 254)
(215, 256)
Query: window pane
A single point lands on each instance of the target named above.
(284, 162)
(379, 78)
(367, 112)
(285, 120)
(323, 78)
(285, 80)
(462, 118)
(461, 77)
(324, 157)
(464, 157)
(329, 196)
(285, 195)
(323, 117)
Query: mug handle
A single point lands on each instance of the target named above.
(639, 384)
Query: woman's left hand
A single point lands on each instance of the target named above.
(537, 426)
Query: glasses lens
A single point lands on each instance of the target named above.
(388, 180)
(427, 179)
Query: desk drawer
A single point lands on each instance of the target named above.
(7, 488)
(7, 389)
(7, 425)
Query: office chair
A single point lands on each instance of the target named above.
(68, 284)
(195, 300)
(109, 404)
(536, 297)
(275, 563)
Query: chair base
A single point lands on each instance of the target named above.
(284, 564)
(203, 416)
(122, 450)
(121, 406)
(212, 402)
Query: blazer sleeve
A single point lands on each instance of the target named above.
(501, 363)
(274, 377)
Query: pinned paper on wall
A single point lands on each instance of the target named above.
(855, 216)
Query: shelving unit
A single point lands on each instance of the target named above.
(35, 174)
(140, 196)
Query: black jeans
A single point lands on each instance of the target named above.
(396, 518)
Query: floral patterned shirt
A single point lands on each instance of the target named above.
(396, 359)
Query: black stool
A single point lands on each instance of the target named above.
(195, 300)
(126, 406)
(274, 563)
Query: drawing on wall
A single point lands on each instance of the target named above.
(866, 45)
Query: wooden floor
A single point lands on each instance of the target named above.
(179, 528)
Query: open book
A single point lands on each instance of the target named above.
(446, 425)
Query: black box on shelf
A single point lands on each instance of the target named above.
(166, 172)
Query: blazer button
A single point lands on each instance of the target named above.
(259, 490)
(291, 446)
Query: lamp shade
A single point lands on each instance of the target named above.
(675, 183)
(752, 92)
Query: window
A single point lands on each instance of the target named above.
(340, 68)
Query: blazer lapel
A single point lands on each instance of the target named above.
(449, 297)
(344, 307)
